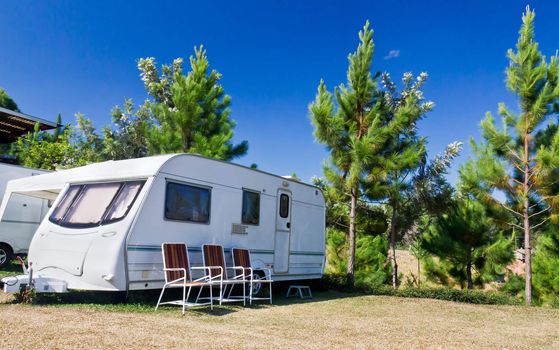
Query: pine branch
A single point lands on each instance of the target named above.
(512, 210)
(537, 203)
(538, 225)
(515, 225)
(540, 212)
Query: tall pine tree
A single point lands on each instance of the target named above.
(508, 158)
(353, 130)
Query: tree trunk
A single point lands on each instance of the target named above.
(526, 215)
(393, 249)
(418, 273)
(469, 270)
(351, 259)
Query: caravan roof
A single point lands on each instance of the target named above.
(49, 185)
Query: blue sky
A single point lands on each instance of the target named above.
(73, 56)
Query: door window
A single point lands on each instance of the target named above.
(284, 206)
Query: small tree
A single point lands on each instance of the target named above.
(128, 138)
(192, 112)
(508, 159)
(465, 239)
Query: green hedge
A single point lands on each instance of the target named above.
(472, 296)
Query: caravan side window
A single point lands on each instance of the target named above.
(187, 203)
(251, 207)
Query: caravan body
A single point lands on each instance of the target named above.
(22, 214)
(105, 229)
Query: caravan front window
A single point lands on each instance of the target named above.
(91, 204)
(123, 201)
(62, 208)
(94, 204)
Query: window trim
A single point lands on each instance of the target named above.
(243, 190)
(178, 182)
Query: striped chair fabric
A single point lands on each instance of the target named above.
(213, 256)
(175, 255)
(241, 257)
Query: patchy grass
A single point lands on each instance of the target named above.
(331, 320)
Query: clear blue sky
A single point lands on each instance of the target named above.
(74, 56)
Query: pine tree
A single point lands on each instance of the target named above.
(509, 159)
(353, 131)
(391, 176)
(465, 239)
(192, 112)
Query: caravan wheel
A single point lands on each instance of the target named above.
(257, 289)
(5, 255)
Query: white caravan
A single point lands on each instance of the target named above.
(105, 229)
(22, 214)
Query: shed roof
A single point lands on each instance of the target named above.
(15, 124)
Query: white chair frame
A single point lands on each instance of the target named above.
(225, 281)
(251, 280)
(206, 280)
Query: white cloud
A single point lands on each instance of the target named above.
(392, 54)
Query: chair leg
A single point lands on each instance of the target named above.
(199, 293)
(250, 290)
(270, 293)
(244, 295)
(184, 297)
(160, 296)
(211, 297)
(221, 292)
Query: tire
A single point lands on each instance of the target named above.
(6, 255)
(258, 289)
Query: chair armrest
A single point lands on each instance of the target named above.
(209, 269)
(183, 270)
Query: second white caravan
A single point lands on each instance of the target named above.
(105, 229)
(21, 216)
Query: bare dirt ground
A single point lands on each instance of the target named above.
(331, 321)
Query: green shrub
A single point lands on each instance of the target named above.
(339, 282)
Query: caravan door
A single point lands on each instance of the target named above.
(283, 232)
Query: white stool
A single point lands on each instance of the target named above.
(299, 290)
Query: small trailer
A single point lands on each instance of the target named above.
(105, 229)
(21, 216)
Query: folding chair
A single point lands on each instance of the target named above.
(214, 256)
(178, 274)
(241, 257)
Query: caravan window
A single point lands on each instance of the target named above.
(91, 204)
(94, 204)
(251, 208)
(187, 203)
(284, 205)
(123, 201)
(65, 203)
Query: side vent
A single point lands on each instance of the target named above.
(239, 229)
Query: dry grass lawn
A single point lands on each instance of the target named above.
(331, 321)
